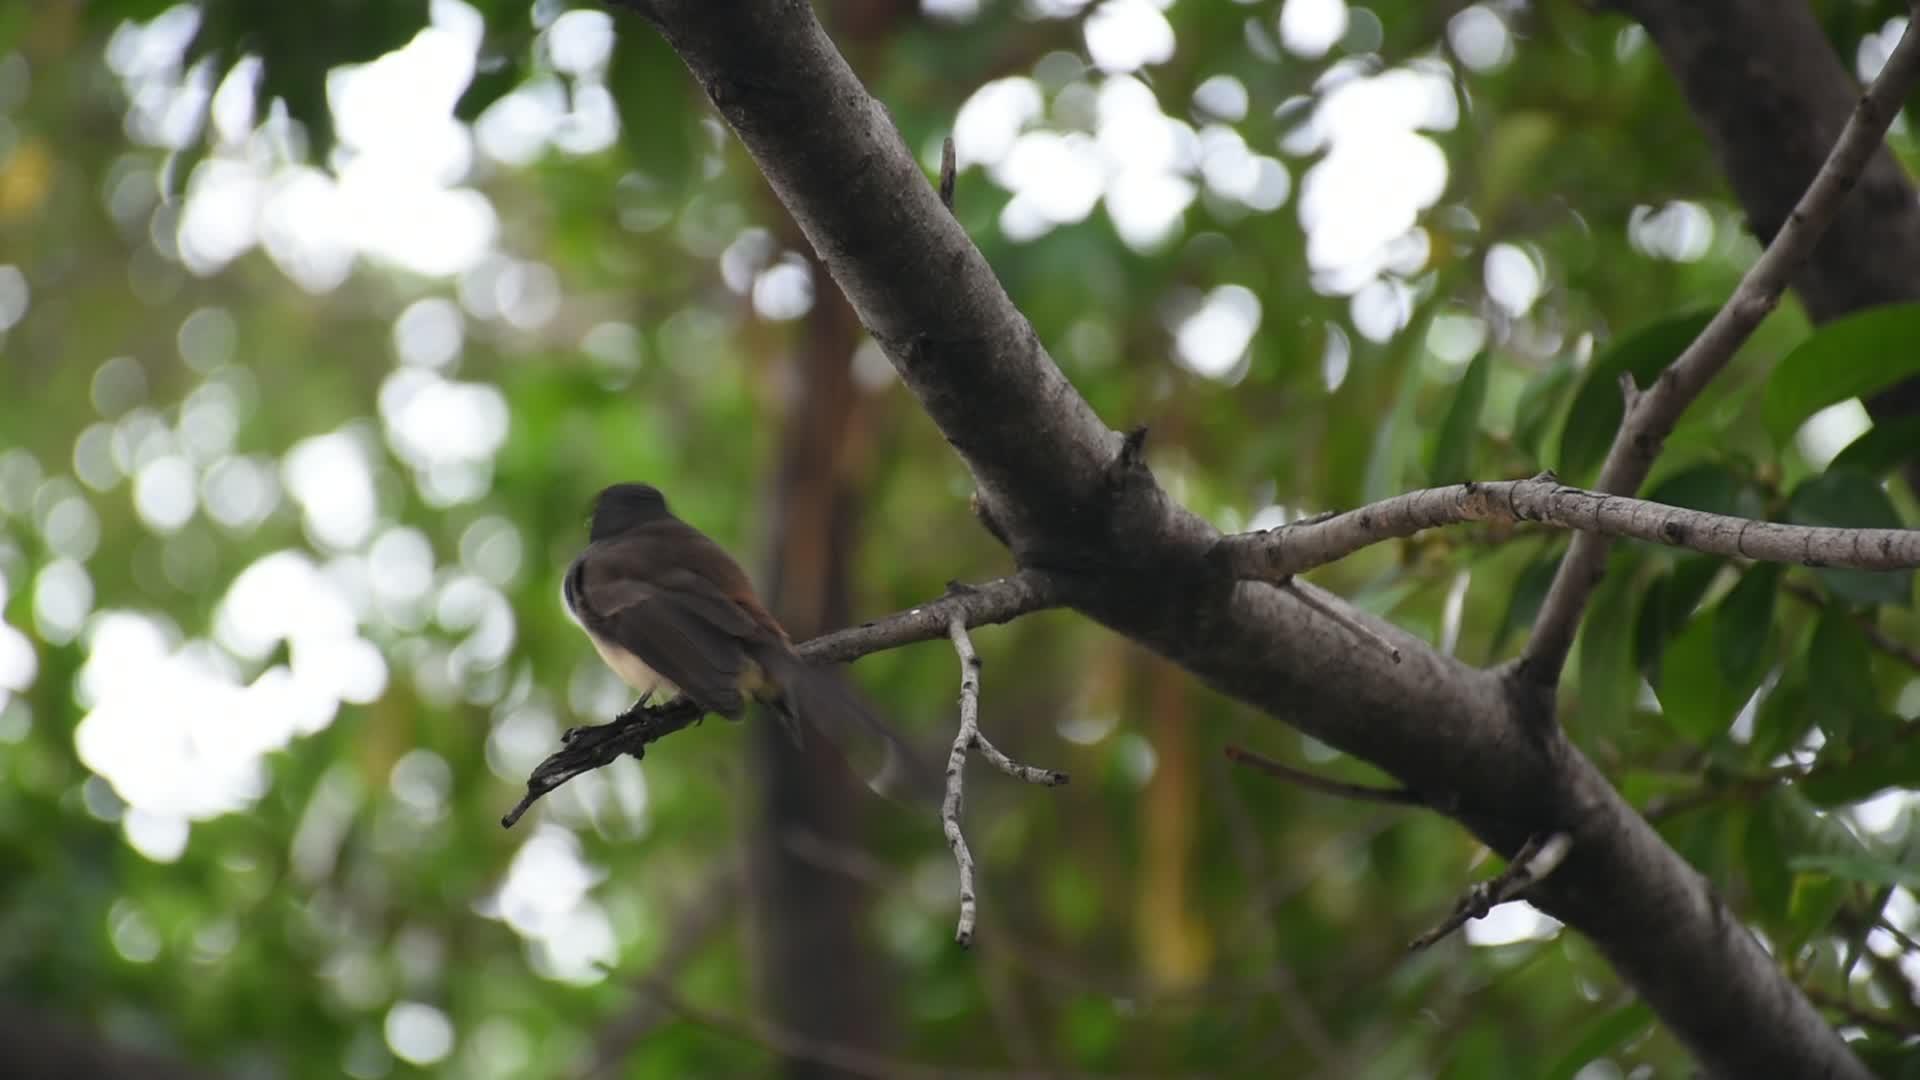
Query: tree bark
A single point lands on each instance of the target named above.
(1069, 495)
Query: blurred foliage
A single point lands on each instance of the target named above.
(344, 913)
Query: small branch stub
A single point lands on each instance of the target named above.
(1536, 859)
(947, 171)
(969, 737)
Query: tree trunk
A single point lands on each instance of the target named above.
(820, 976)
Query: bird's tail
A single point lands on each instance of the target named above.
(816, 697)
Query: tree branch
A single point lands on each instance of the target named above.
(1538, 858)
(1054, 482)
(970, 738)
(588, 748)
(1771, 93)
(1658, 408)
(1276, 554)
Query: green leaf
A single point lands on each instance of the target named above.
(1712, 488)
(1669, 603)
(1601, 1037)
(1744, 625)
(1813, 898)
(1597, 407)
(1529, 591)
(1608, 681)
(1852, 498)
(1783, 717)
(658, 124)
(1880, 449)
(1846, 358)
(1840, 681)
(1766, 865)
(1814, 901)
(1843, 776)
(1861, 868)
(1453, 452)
(1696, 700)
(1539, 407)
(1513, 153)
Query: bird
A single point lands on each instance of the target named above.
(672, 613)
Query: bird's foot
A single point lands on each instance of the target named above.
(633, 711)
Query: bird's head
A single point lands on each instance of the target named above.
(626, 506)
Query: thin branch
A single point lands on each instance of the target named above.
(1344, 617)
(1860, 1014)
(1312, 782)
(588, 748)
(1870, 629)
(1537, 858)
(1658, 410)
(1277, 554)
(1753, 785)
(969, 737)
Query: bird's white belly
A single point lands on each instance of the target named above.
(632, 670)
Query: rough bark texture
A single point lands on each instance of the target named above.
(1069, 494)
(1771, 95)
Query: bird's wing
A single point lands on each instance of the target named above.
(677, 623)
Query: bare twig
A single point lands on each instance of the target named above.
(1860, 1014)
(1277, 554)
(1753, 785)
(589, 748)
(1537, 858)
(969, 737)
(1652, 418)
(1340, 615)
(1312, 782)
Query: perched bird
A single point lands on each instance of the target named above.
(672, 613)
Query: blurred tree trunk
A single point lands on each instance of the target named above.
(40, 1046)
(819, 976)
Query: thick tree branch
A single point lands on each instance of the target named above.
(1278, 553)
(590, 748)
(1060, 492)
(1656, 410)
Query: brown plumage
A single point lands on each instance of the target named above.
(670, 611)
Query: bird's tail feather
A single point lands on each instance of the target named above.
(819, 699)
